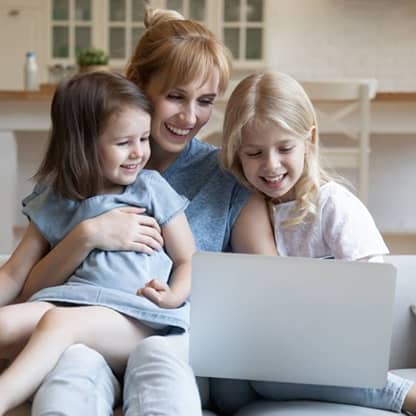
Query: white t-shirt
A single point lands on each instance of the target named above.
(343, 228)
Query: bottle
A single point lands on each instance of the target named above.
(31, 72)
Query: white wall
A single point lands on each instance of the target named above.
(318, 39)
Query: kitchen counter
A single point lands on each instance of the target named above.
(46, 92)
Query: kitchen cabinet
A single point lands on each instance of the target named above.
(57, 29)
(21, 30)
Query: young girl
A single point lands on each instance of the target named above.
(271, 144)
(98, 147)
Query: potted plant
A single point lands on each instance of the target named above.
(92, 59)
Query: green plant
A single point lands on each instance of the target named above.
(92, 56)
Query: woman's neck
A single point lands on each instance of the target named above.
(160, 160)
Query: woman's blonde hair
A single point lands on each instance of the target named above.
(278, 98)
(178, 50)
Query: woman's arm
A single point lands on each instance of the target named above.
(180, 246)
(14, 272)
(253, 231)
(118, 229)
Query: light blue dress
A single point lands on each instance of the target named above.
(111, 278)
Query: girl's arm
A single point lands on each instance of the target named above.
(253, 231)
(180, 246)
(118, 229)
(14, 272)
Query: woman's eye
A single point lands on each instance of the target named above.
(174, 97)
(206, 102)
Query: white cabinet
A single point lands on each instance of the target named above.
(21, 30)
(116, 26)
(57, 29)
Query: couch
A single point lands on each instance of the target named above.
(402, 358)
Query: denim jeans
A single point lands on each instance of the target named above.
(158, 381)
(231, 395)
(81, 384)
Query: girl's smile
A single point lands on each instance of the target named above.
(124, 148)
(272, 158)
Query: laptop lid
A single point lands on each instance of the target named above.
(291, 319)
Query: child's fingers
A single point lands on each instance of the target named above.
(150, 294)
(157, 285)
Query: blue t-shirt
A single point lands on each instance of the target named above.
(215, 197)
(111, 278)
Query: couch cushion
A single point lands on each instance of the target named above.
(307, 408)
(315, 408)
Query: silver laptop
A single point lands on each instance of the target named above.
(290, 319)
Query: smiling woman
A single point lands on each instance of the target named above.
(182, 67)
(179, 114)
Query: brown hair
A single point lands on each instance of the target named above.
(179, 50)
(81, 107)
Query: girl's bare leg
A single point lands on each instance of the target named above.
(17, 323)
(108, 332)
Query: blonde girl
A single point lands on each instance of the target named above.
(271, 144)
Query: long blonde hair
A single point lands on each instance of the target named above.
(179, 50)
(278, 98)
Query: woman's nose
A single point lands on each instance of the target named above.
(188, 115)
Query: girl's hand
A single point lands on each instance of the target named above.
(125, 229)
(159, 293)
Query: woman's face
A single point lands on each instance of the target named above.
(181, 112)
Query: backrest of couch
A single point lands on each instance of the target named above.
(403, 346)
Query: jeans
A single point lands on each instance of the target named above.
(231, 395)
(158, 382)
(81, 384)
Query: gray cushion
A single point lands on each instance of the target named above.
(307, 408)
(315, 408)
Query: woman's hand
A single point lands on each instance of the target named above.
(159, 293)
(125, 229)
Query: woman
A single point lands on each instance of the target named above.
(182, 68)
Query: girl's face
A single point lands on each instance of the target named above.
(124, 148)
(272, 159)
(180, 113)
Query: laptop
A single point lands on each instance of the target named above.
(290, 319)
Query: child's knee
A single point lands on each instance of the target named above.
(7, 326)
(53, 320)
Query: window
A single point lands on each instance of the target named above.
(116, 26)
(239, 23)
(124, 26)
(243, 29)
(71, 27)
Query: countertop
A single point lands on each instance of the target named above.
(46, 92)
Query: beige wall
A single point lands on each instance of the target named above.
(318, 39)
